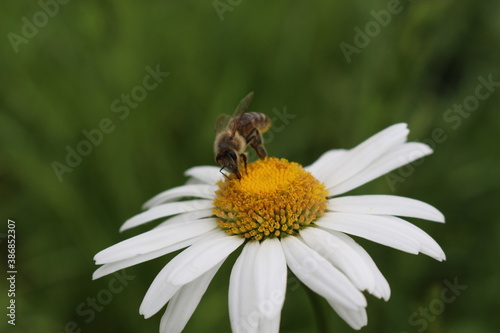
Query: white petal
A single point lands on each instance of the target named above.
(382, 288)
(182, 305)
(158, 294)
(270, 325)
(158, 238)
(117, 265)
(322, 167)
(181, 218)
(393, 159)
(188, 216)
(201, 256)
(168, 209)
(365, 153)
(242, 291)
(341, 255)
(207, 174)
(355, 318)
(319, 275)
(194, 181)
(385, 205)
(387, 230)
(190, 264)
(270, 278)
(198, 191)
(257, 288)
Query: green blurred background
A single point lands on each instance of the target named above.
(65, 78)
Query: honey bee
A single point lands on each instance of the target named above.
(234, 134)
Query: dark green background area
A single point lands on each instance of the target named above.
(64, 79)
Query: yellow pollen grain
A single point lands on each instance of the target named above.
(273, 198)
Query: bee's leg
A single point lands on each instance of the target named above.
(251, 135)
(244, 157)
(254, 138)
(260, 151)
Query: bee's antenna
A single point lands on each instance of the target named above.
(224, 173)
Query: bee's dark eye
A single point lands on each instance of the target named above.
(232, 154)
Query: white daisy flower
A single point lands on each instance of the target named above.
(283, 215)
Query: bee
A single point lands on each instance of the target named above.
(234, 134)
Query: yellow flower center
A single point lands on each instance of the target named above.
(273, 198)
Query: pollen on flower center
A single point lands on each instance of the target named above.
(273, 198)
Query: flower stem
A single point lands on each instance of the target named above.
(319, 310)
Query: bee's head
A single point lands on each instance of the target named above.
(228, 160)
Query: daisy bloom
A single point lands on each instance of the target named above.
(284, 215)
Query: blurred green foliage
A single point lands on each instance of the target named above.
(66, 76)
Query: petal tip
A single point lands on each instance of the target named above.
(98, 259)
(401, 125)
(146, 313)
(124, 226)
(426, 149)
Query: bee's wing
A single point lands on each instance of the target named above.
(240, 110)
(221, 122)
